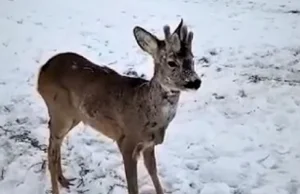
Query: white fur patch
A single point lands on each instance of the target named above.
(169, 111)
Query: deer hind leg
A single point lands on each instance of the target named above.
(130, 164)
(52, 160)
(59, 126)
(61, 178)
(150, 164)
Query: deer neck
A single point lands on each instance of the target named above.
(161, 104)
(161, 94)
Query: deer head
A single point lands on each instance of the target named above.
(173, 57)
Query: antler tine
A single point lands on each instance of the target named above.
(183, 33)
(190, 38)
(167, 32)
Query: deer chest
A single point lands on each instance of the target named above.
(168, 112)
(156, 126)
(161, 117)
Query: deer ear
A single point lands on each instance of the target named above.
(147, 41)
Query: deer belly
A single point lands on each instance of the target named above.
(107, 127)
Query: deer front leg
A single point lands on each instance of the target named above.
(150, 164)
(126, 147)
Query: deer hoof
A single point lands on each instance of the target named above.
(66, 183)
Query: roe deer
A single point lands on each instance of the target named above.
(132, 111)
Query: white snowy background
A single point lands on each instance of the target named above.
(239, 134)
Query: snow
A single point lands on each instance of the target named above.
(239, 134)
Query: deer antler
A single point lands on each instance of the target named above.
(185, 36)
(167, 32)
(181, 33)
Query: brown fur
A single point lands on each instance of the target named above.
(133, 111)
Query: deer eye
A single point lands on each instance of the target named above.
(172, 64)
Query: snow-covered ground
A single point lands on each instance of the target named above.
(239, 134)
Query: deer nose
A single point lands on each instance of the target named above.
(193, 84)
